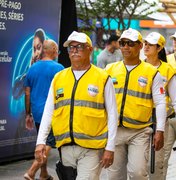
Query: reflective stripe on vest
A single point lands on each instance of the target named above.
(134, 93)
(133, 121)
(79, 103)
(81, 136)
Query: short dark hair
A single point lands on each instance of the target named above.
(112, 38)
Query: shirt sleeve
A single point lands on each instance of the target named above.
(159, 101)
(111, 108)
(45, 125)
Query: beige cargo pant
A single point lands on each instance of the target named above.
(159, 158)
(87, 161)
(131, 154)
(169, 143)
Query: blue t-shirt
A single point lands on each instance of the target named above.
(38, 78)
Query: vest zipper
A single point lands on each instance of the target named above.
(124, 98)
(72, 110)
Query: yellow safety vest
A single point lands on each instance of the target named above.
(133, 93)
(80, 116)
(167, 72)
(171, 60)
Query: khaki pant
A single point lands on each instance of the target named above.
(159, 158)
(87, 161)
(131, 154)
(169, 143)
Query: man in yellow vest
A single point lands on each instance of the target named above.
(81, 109)
(138, 87)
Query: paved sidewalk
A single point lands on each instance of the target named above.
(171, 174)
(16, 170)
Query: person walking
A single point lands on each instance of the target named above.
(156, 55)
(111, 53)
(81, 109)
(137, 91)
(37, 83)
(171, 59)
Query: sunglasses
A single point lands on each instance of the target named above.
(129, 43)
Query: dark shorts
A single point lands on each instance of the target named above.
(50, 139)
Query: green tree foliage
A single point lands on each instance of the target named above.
(118, 10)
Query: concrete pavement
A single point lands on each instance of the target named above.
(171, 174)
(16, 170)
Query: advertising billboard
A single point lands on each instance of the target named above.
(19, 21)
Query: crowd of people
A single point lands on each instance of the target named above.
(104, 116)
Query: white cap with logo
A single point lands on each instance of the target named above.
(173, 36)
(78, 37)
(132, 35)
(155, 38)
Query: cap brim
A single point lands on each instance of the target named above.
(132, 39)
(149, 41)
(173, 36)
(66, 43)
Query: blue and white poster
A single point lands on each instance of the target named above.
(20, 21)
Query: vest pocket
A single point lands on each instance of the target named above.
(58, 111)
(143, 103)
(145, 110)
(94, 113)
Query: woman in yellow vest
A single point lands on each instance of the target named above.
(171, 58)
(155, 55)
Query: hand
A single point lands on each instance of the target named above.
(158, 140)
(29, 122)
(107, 159)
(40, 153)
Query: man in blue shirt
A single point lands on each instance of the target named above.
(37, 83)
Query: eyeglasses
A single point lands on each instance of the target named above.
(129, 43)
(79, 47)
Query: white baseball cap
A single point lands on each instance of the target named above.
(78, 37)
(131, 34)
(155, 38)
(173, 36)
